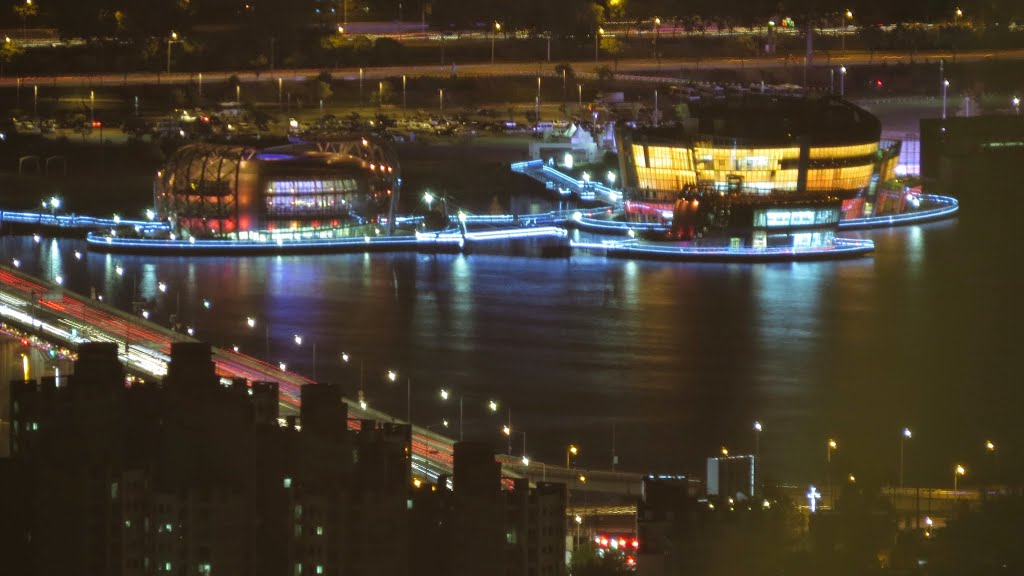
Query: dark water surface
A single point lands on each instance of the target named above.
(681, 357)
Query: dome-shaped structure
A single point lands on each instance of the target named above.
(347, 187)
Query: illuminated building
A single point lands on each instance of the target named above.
(327, 189)
(757, 170)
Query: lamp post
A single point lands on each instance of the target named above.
(440, 100)
(990, 449)
(956, 16)
(538, 99)
(1016, 105)
(842, 81)
(831, 446)
(597, 43)
(958, 471)
(657, 32)
(403, 90)
(570, 452)
(848, 15)
(757, 449)
(945, 90)
(298, 342)
(170, 40)
(579, 92)
(906, 435)
(494, 32)
(492, 406)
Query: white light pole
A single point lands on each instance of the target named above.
(842, 81)
(757, 449)
(958, 471)
(842, 33)
(906, 435)
(657, 32)
(945, 90)
(597, 43)
(1016, 105)
(494, 32)
(492, 406)
(170, 40)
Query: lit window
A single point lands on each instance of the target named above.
(287, 482)
(319, 569)
(319, 530)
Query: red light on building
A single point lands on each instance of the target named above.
(604, 542)
(630, 560)
(636, 543)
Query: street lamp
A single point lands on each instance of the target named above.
(492, 406)
(832, 445)
(958, 471)
(170, 40)
(907, 434)
(757, 447)
(657, 32)
(945, 90)
(1016, 105)
(957, 14)
(494, 32)
(597, 42)
(990, 449)
(570, 452)
(848, 15)
(842, 81)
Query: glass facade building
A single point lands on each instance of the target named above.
(312, 190)
(760, 170)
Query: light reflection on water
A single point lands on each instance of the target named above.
(683, 357)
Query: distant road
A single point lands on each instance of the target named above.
(584, 69)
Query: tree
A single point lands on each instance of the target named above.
(318, 89)
(25, 10)
(9, 51)
(565, 69)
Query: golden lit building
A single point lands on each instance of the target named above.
(763, 170)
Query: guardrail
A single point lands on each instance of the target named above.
(75, 222)
(947, 208)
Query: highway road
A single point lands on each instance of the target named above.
(62, 317)
(639, 68)
(68, 319)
